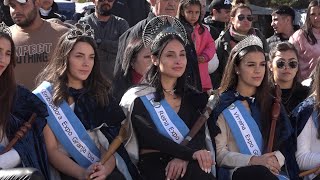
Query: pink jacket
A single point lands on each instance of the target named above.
(308, 54)
(205, 46)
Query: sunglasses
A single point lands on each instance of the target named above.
(291, 64)
(241, 17)
(106, 0)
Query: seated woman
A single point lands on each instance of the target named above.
(163, 109)
(80, 109)
(306, 115)
(244, 119)
(135, 64)
(17, 105)
(284, 70)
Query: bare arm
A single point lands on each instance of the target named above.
(60, 160)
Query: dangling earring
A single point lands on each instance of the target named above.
(238, 72)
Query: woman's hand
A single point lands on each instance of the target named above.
(204, 159)
(176, 168)
(97, 171)
(268, 160)
(201, 59)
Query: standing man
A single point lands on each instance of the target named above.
(282, 24)
(107, 30)
(35, 39)
(219, 17)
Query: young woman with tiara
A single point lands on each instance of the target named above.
(82, 114)
(163, 108)
(243, 119)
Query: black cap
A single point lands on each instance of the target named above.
(220, 4)
(285, 10)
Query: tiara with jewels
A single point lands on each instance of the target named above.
(5, 29)
(160, 27)
(250, 40)
(80, 29)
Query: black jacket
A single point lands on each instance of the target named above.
(223, 51)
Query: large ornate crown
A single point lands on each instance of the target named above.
(4, 28)
(81, 29)
(161, 26)
(250, 40)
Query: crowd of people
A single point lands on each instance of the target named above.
(176, 95)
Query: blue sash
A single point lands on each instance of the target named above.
(1, 148)
(67, 128)
(245, 130)
(315, 119)
(167, 121)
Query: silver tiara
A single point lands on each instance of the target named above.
(250, 40)
(81, 29)
(5, 29)
(161, 26)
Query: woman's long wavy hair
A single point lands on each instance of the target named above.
(56, 72)
(130, 56)
(153, 75)
(316, 92)
(230, 81)
(307, 26)
(7, 88)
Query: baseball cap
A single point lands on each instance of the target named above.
(220, 4)
(285, 10)
(6, 2)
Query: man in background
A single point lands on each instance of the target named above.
(35, 39)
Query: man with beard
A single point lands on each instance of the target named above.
(160, 7)
(107, 30)
(35, 39)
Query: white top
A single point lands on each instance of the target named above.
(308, 148)
(9, 159)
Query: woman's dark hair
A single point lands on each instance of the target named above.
(183, 5)
(239, 5)
(56, 72)
(316, 92)
(230, 81)
(307, 26)
(283, 47)
(130, 55)
(7, 88)
(153, 76)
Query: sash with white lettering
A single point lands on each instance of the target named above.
(244, 129)
(167, 121)
(66, 127)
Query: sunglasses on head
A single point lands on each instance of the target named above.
(106, 0)
(291, 64)
(241, 17)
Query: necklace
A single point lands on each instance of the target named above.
(170, 91)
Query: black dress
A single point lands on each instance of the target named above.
(152, 165)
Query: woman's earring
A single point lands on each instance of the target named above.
(237, 72)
